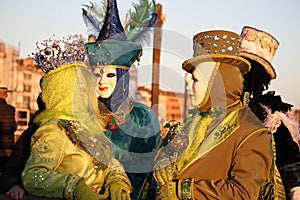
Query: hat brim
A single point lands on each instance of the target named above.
(263, 62)
(241, 63)
(5, 89)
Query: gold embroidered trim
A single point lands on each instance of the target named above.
(112, 66)
(71, 184)
(186, 189)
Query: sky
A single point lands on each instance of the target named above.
(23, 23)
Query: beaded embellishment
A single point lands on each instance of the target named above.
(52, 53)
(96, 146)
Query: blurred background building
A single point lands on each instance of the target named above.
(22, 77)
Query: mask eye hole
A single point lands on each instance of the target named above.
(111, 75)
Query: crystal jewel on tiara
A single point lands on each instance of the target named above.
(52, 53)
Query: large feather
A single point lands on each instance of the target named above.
(144, 33)
(91, 23)
(137, 23)
(94, 17)
(141, 20)
(97, 10)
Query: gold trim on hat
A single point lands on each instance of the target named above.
(111, 66)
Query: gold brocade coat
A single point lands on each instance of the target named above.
(53, 161)
(232, 167)
(70, 143)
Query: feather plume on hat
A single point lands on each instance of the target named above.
(137, 22)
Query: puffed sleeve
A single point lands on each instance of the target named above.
(39, 176)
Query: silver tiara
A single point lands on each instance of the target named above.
(52, 53)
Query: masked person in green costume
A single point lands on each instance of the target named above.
(132, 126)
(229, 152)
(70, 155)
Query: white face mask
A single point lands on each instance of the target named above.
(198, 82)
(107, 80)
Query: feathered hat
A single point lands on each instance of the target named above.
(259, 46)
(111, 47)
(218, 46)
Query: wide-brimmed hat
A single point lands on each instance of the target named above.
(217, 46)
(111, 46)
(259, 46)
(4, 88)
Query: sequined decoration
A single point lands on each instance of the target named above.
(52, 53)
(71, 186)
(216, 42)
(97, 146)
(186, 187)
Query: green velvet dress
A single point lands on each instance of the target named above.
(134, 130)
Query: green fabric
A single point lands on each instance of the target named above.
(186, 189)
(110, 52)
(134, 144)
(47, 151)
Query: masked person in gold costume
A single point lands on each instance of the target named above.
(228, 153)
(70, 155)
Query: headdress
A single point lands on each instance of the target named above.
(259, 46)
(111, 46)
(217, 46)
(68, 90)
(52, 53)
(62, 60)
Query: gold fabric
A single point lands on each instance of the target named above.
(69, 90)
(218, 46)
(273, 187)
(56, 164)
(223, 91)
(236, 168)
(54, 158)
(235, 156)
(167, 192)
